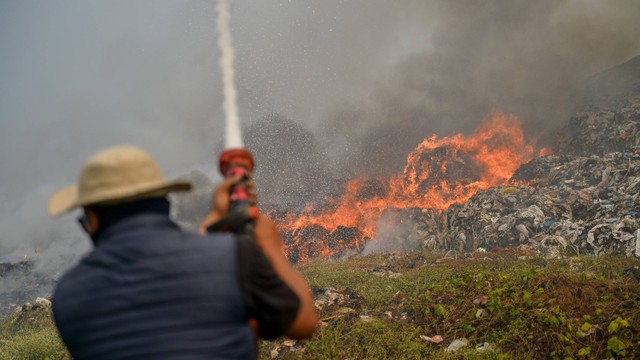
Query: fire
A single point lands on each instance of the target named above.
(545, 151)
(438, 173)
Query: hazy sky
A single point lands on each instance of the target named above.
(369, 78)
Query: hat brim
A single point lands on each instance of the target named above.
(67, 199)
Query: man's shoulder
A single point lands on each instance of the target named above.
(109, 260)
(160, 240)
(213, 241)
(189, 235)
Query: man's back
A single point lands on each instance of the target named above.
(150, 290)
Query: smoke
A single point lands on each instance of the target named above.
(233, 137)
(392, 234)
(290, 173)
(29, 234)
(528, 58)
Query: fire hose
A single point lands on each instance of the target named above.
(242, 214)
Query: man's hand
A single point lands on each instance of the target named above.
(222, 200)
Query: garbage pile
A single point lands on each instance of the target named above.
(585, 205)
(583, 201)
(429, 229)
(602, 131)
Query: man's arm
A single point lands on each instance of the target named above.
(269, 240)
(267, 237)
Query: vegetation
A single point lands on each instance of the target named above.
(29, 334)
(507, 304)
(523, 307)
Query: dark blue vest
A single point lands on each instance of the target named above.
(152, 291)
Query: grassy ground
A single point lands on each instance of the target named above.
(378, 307)
(30, 334)
(525, 307)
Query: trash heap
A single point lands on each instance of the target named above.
(602, 131)
(583, 201)
(584, 205)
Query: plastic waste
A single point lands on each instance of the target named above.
(436, 339)
(457, 344)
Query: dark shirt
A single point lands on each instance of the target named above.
(151, 290)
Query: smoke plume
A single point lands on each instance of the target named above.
(528, 58)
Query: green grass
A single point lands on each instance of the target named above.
(536, 308)
(379, 306)
(30, 334)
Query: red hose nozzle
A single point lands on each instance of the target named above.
(242, 212)
(232, 158)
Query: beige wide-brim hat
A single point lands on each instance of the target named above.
(116, 175)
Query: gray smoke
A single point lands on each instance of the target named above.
(290, 171)
(392, 234)
(367, 79)
(529, 58)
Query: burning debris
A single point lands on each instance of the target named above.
(583, 205)
(438, 173)
(571, 202)
(490, 190)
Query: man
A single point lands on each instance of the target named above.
(149, 290)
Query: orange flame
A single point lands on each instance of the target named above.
(438, 173)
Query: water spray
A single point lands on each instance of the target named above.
(235, 159)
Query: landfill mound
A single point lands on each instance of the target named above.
(602, 131)
(585, 205)
(609, 117)
(583, 200)
(555, 205)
